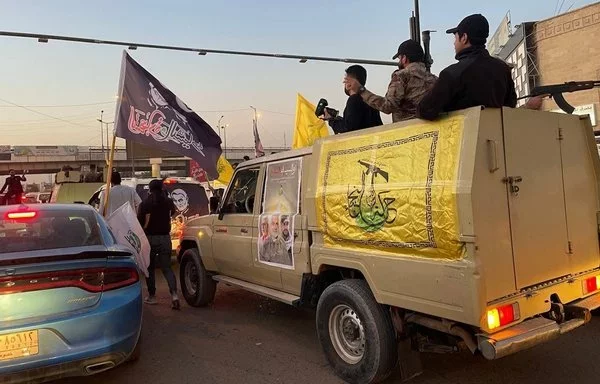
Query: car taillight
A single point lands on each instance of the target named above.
(501, 316)
(91, 280)
(591, 284)
(169, 181)
(19, 215)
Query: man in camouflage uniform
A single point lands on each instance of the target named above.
(408, 85)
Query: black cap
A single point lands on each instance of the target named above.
(412, 49)
(475, 26)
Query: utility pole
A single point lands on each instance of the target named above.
(101, 133)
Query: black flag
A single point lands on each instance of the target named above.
(149, 113)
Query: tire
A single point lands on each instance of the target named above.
(366, 351)
(197, 287)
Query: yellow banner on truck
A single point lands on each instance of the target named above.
(393, 191)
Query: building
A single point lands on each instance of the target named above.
(519, 52)
(568, 49)
(556, 50)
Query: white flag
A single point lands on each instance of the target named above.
(127, 230)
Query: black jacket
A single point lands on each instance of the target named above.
(477, 79)
(357, 115)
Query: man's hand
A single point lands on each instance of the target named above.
(352, 85)
(534, 103)
(325, 116)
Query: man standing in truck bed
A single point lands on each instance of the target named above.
(408, 85)
(477, 78)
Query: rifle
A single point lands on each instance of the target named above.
(556, 92)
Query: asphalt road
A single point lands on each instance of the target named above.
(244, 338)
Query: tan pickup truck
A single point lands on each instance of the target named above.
(477, 231)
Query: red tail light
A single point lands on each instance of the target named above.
(169, 181)
(21, 215)
(91, 280)
(591, 284)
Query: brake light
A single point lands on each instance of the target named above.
(91, 280)
(22, 215)
(501, 316)
(169, 181)
(591, 284)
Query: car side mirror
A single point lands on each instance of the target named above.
(213, 204)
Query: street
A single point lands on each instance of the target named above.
(244, 338)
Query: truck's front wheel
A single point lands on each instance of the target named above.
(356, 333)
(197, 286)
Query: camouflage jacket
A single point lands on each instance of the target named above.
(406, 89)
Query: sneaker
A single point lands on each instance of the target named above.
(150, 300)
(175, 302)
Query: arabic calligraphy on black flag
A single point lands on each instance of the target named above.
(149, 113)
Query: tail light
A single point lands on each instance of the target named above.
(91, 280)
(591, 284)
(501, 316)
(20, 215)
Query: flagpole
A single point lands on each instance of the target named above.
(109, 175)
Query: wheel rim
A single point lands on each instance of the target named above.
(191, 278)
(347, 334)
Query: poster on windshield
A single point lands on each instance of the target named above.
(281, 204)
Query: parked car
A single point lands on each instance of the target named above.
(476, 231)
(36, 197)
(189, 196)
(70, 297)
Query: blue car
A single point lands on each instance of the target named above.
(70, 297)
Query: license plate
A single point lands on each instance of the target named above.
(21, 344)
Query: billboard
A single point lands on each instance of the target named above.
(46, 150)
(501, 36)
(4, 152)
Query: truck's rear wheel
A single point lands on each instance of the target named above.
(197, 286)
(356, 333)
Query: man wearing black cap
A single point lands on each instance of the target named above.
(357, 114)
(477, 78)
(408, 85)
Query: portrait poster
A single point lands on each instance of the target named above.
(281, 204)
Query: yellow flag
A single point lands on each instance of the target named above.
(308, 126)
(225, 170)
(393, 191)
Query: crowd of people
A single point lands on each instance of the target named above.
(477, 79)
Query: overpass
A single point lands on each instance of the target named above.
(50, 159)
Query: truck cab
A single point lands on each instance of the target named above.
(478, 231)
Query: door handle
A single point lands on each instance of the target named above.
(244, 231)
(492, 156)
(512, 181)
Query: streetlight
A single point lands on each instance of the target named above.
(101, 132)
(224, 139)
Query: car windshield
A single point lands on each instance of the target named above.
(34, 230)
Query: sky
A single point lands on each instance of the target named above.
(65, 86)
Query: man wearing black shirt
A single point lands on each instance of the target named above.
(357, 114)
(155, 216)
(15, 189)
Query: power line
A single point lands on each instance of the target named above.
(42, 38)
(561, 5)
(40, 113)
(59, 106)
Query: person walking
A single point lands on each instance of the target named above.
(155, 216)
(119, 195)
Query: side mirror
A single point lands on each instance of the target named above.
(213, 204)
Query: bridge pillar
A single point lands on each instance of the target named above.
(155, 163)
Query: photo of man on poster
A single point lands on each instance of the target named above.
(274, 249)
